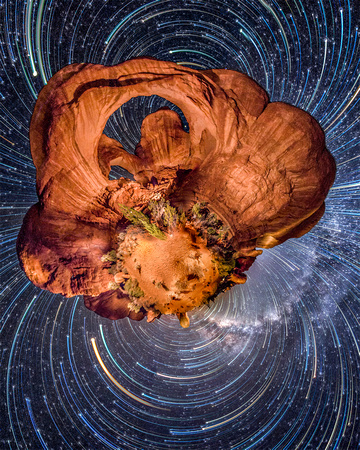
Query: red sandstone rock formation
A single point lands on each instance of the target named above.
(249, 174)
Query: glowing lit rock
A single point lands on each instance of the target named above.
(249, 174)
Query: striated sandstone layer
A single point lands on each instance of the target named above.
(249, 174)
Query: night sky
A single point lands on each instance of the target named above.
(272, 364)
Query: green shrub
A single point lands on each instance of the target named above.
(113, 269)
(225, 266)
(133, 307)
(198, 210)
(133, 289)
(139, 219)
(113, 286)
(110, 256)
(166, 214)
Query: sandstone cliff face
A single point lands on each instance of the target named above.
(258, 170)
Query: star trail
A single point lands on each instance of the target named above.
(272, 364)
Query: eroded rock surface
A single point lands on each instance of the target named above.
(249, 174)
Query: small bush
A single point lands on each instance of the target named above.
(133, 289)
(165, 214)
(225, 266)
(139, 219)
(110, 256)
(133, 307)
(198, 210)
(113, 269)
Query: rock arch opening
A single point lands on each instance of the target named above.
(124, 125)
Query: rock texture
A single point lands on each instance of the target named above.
(251, 173)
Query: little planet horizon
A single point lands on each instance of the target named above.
(200, 206)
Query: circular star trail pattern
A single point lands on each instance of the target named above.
(273, 364)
